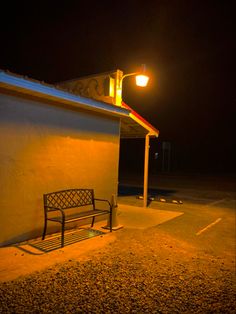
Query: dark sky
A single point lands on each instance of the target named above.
(188, 47)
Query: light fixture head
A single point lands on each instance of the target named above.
(141, 78)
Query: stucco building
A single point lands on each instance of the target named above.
(52, 139)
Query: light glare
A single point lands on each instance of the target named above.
(142, 80)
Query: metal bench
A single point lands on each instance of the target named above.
(56, 207)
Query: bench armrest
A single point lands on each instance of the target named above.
(53, 209)
(102, 200)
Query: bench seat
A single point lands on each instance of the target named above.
(79, 216)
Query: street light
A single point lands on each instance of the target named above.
(141, 81)
(141, 77)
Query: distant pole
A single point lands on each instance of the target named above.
(146, 159)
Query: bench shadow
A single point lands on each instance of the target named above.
(52, 243)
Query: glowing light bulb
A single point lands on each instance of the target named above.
(141, 80)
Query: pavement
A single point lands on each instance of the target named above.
(209, 204)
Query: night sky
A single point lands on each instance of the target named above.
(188, 47)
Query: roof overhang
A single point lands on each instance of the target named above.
(132, 124)
(135, 126)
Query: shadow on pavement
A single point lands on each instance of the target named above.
(54, 242)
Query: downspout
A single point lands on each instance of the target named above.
(146, 161)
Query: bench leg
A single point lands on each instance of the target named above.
(62, 233)
(111, 220)
(45, 229)
(92, 222)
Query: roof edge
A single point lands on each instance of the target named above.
(20, 83)
(140, 120)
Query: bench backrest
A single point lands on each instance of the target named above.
(69, 198)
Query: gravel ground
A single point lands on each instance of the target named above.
(143, 271)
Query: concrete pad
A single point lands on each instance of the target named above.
(141, 217)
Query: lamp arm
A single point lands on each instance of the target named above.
(129, 74)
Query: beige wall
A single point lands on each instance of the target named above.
(45, 148)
